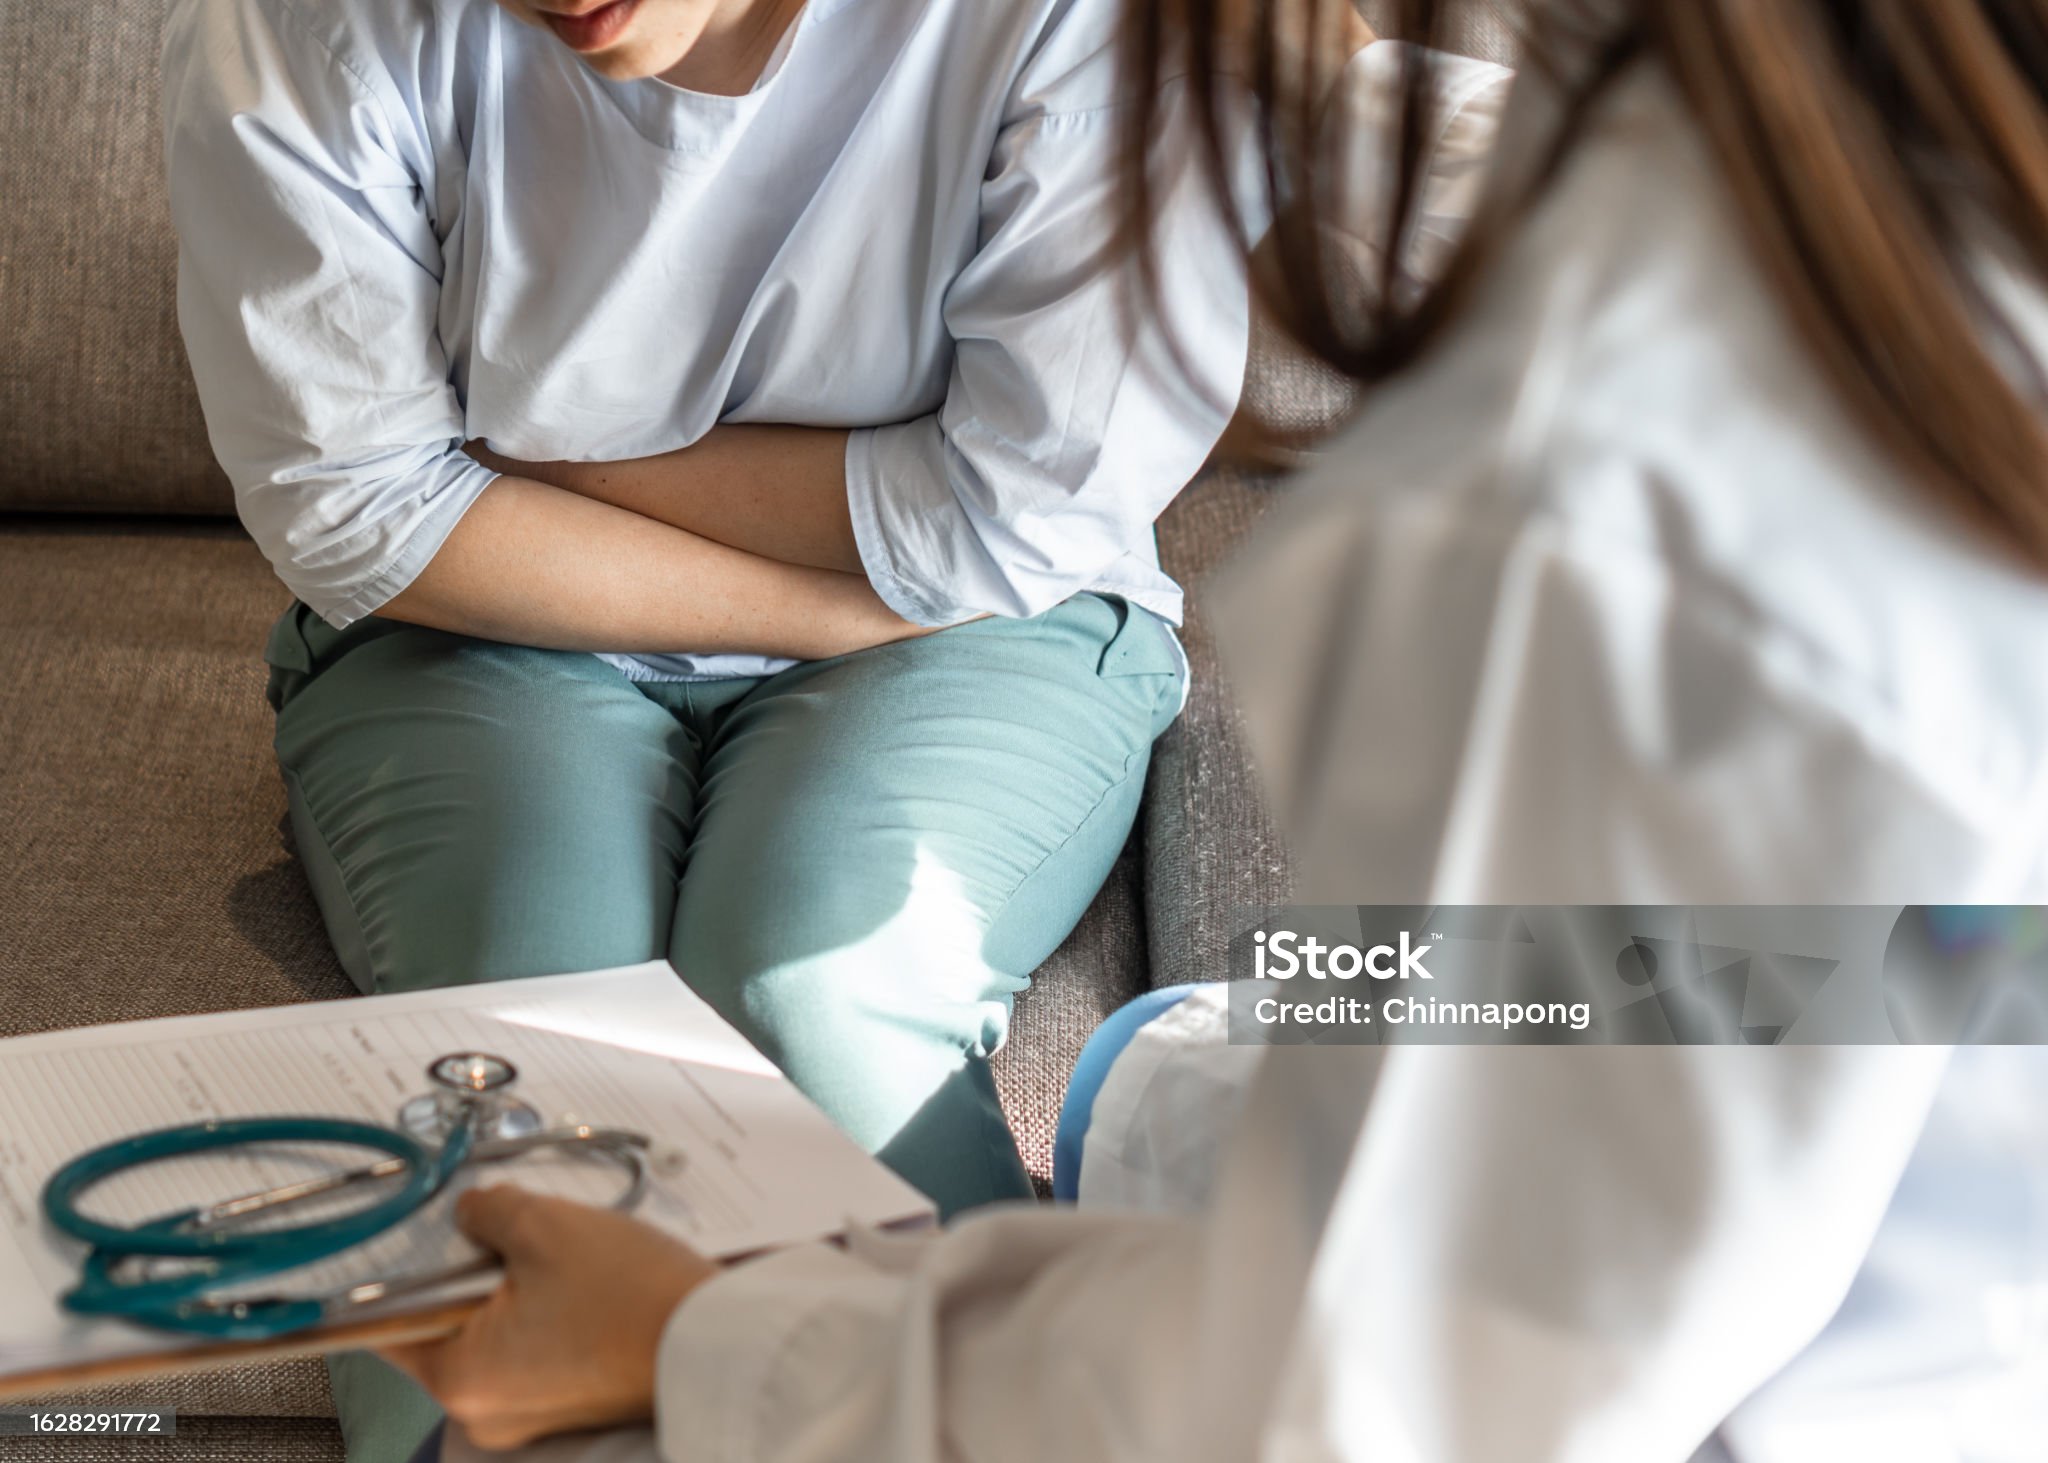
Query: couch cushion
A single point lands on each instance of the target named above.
(1211, 848)
(97, 409)
(140, 808)
(296, 1388)
(1102, 965)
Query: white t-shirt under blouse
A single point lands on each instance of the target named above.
(404, 224)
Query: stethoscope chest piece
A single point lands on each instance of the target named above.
(472, 1088)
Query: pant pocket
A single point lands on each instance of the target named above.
(289, 656)
(1145, 653)
(301, 645)
(1143, 645)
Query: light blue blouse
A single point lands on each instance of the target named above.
(404, 224)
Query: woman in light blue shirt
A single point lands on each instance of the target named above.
(627, 393)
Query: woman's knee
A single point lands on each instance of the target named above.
(420, 897)
(490, 936)
(485, 817)
(798, 978)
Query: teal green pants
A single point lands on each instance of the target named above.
(858, 861)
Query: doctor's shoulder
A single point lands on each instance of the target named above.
(1698, 429)
(1626, 402)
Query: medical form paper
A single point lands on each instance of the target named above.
(759, 1168)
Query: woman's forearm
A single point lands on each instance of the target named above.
(532, 564)
(779, 492)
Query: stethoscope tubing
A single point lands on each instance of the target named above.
(223, 1256)
(170, 1237)
(229, 1256)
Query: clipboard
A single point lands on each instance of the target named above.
(631, 1048)
(366, 1334)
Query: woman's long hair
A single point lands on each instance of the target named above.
(1875, 149)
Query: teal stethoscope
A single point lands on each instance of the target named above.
(159, 1272)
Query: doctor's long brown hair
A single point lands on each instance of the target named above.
(1869, 146)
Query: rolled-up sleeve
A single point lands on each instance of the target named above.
(308, 284)
(1074, 413)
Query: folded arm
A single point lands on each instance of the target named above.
(775, 491)
(532, 564)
